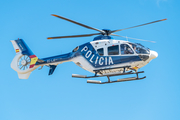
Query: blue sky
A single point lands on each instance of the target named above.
(60, 96)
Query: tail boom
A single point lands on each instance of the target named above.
(25, 61)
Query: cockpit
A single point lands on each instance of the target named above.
(139, 49)
(125, 48)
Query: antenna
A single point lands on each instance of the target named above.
(127, 38)
(136, 39)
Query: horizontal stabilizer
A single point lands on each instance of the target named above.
(52, 68)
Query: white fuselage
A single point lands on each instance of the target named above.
(86, 64)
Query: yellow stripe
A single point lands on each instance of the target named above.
(33, 60)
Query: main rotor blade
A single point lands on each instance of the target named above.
(138, 25)
(73, 36)
(136, 39)
(78, 23)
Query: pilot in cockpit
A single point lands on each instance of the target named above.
(125, 49)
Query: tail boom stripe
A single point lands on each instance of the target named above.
(31, 66)
(33, 60)
(32, 56)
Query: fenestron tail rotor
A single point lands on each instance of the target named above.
(104, 32)
(24, 62)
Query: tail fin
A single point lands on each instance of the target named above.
(24, 61)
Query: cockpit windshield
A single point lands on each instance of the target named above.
(139, 49)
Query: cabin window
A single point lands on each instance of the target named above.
(139, 49)
(100, 51)
(113, 50)
(125, 49)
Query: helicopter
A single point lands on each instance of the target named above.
(104, 56)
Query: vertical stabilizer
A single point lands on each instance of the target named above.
(24, 60)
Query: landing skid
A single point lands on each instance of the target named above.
(110, 75)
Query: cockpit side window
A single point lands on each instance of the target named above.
(100, 51)
(125, 49)
(139, 49)
(113, 50)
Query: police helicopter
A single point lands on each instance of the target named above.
(104, 56)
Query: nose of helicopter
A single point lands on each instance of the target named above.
(153, 54)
